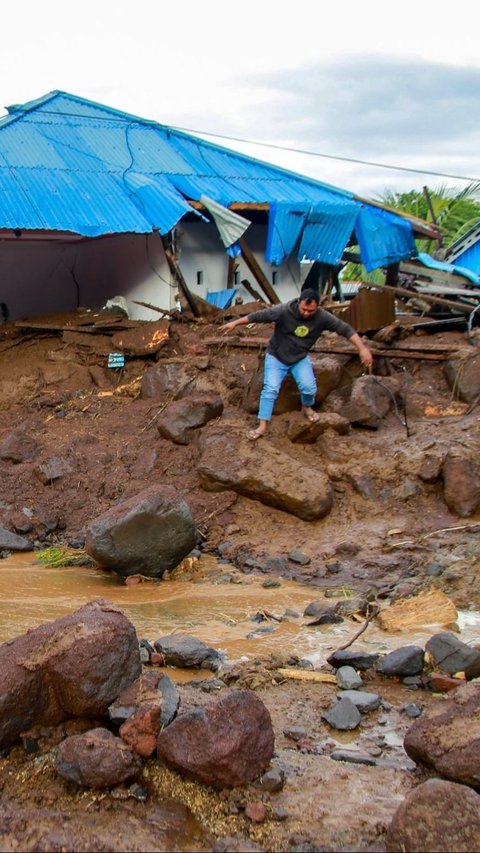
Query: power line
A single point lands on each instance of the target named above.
(153, 123)
(328, 156)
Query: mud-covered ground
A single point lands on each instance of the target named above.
(382, 535)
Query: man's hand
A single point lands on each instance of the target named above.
(366, 356)
(229, 327)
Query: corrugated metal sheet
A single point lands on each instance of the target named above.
(74, 165)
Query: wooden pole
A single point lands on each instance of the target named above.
(177, 274)
(257, 271)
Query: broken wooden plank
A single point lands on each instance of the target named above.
(308, 675)
(256, 343)
(434, 300)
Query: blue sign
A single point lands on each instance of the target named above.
(116, 359)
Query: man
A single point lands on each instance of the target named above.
(298, 325)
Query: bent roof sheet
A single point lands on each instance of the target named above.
(70, 164)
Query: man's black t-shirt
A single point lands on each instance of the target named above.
(295, 335)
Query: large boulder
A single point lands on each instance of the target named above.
(182, 417)
(97, 759)
(72, 667)
(447, 736)
(265, 474)
(436, 815)
(147, 534)
(462, 372)
(369, 402)
(461, 483)
(228, 743)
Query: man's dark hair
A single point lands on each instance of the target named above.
(309, 296)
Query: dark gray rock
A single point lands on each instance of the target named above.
(362, 700)
(348, 678)
(147, 534)
(407, 660)
(13, 542)
(344, 715)
(185, 651)
(451, 655)
(359, 660)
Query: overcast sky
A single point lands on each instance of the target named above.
(394, 84)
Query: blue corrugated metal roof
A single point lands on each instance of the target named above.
(455, 269)
(70, 164)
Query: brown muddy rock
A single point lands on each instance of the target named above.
(146, 534)
(19, 446)
(265, 474)
(53, 469)
(303, 432)
(72, 667)
(462, 373)
(96, 759)
(230, 742)
(431, 468)
(447, 736)
(140, 732)
(149, 689)
(182, 417)
(461, 483)
(436, 816)
(167, 381)
(327, 370)
(369, 402)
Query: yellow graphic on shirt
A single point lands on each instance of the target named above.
(301, 331)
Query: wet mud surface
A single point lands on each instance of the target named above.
(379, 538)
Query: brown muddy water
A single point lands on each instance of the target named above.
(217, 611)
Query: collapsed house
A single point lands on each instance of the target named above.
(96, 203)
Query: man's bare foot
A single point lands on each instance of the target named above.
(254, 434)
(310, 415)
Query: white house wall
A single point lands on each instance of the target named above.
(50, 276)
(200, 250)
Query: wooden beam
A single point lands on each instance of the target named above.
(178, 276)
(257, 271)
(256, 343)
(251, 290)
(232, 266)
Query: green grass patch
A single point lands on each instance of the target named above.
(59, 557)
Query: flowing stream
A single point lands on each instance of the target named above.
(213, 609)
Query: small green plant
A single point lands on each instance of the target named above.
(58, 557)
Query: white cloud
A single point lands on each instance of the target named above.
(362, 80)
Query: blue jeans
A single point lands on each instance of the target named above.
(275, 372)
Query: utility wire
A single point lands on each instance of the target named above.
(153, 124)
(328, 156)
